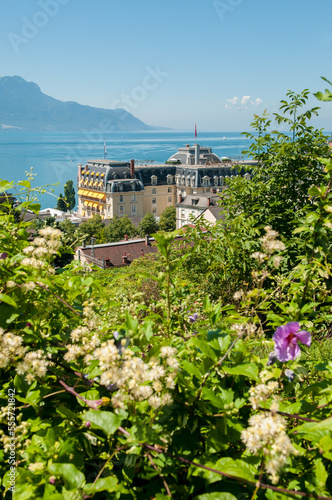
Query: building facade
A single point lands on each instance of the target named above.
(111, 188)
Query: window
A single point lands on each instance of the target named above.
(154, 210)
(193, 182)
(182, 212)
(133, 209)
(133, 197)
(121, 198)
(169, 199)
(154, 200)
(206, 180)
(154, 190)
(170, 179)
(169, 190)
(215, 178)
(154, 180)
(121, 209)
(109, 210)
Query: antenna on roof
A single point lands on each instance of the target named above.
(105, 151)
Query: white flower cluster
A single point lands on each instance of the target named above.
(135, 379)
(34, 365)
(42, 248)
(242, 328)
(83, 344)
(266, 434)
(261, 392)
(270, 242)
(10, 347)
(270, 245)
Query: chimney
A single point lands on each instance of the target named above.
(179, 198)
(132, 169)
(84, 243)
(147, 240)
(126, 237)
(197, 153)
(124, 258)
(208, 202)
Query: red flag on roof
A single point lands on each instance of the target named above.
(195, 131)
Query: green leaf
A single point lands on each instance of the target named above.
(216, 496)
(219, 400)
(191, 368)
(105, 420)
(7, 299)
(5, 186)
(205, 348)
(249, 370)
(148, 330)
(320, 473)
(237, 468)
(74, 478)
(106, 483)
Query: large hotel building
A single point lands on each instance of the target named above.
(194, 173)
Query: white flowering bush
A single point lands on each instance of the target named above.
(175, 396)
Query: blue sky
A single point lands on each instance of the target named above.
(172, 63)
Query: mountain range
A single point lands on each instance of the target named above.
(24, 106)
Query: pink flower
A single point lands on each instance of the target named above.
(286, 338)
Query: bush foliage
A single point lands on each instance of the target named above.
(167, 379)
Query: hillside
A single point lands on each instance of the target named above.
(24, 106)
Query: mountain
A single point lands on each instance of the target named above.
(24, 106)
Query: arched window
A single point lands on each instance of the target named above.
(154, 180)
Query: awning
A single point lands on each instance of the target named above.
(86, 203)
(101, 184)
(101, 207)
(101, 196)
(90, 204)
(83, 213)
(80, 191)
(97, 173)
(102, 174)
(95, 205)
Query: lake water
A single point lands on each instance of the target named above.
(54, 156)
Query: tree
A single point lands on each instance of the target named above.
(70, 196)
(68, 201)
(328, 94)
(61, 204)
(93, 228)
(287, 165)
(148, 225)
(118, 228)
(168, 219)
